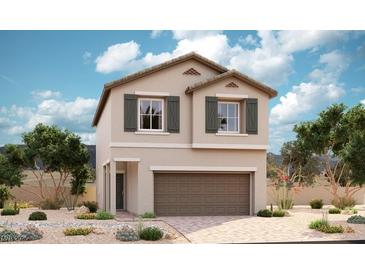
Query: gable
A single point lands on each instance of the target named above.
(198, 59)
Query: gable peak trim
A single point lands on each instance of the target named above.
(232, 85)
(192, 71)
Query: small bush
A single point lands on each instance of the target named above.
(50, 204)
(334, 211)
(31, 233)
(264, 213)
(91, 205)
(349, 211)
(104, 215)
(86, 216)
(148, 215)
(317, 223)
(357, 219)
(77, 231)
(151, 233)
(327, 228)
(9, 211)
(278, 213)
(8, 236)
(126, 234)
(343, 202)
(316, 203)
(20, 204)
(37, 216)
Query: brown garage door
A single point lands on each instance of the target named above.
(201, 194)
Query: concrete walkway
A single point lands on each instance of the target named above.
(249, 229)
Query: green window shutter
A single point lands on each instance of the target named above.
(173, 114)
(211, 114)
(130, 112)
(251, 116)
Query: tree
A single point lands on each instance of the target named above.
(10, 174)
(297, 168)
(80, 176)
(337, 138)
(50, 150)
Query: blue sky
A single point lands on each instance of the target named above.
(56, 77)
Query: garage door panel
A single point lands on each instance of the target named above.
(179, 194)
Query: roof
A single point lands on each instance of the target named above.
(145, 72)
(232, 73)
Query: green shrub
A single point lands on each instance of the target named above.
(357, 219)
(264, 213)
(327, 228)
(343, 202)
(278, 213)
(91, 205)
(37, 216)
(8, 236)
(86, 216)
(104, 215)
(148, 215)
(334, 211)
(31, 233)
(317, 223)
(126, 234)
(151, 233)
(9, 211)
(77, 231)
(316, 203)
(50, 204)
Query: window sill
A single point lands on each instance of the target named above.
(151, 133)
(232, 134)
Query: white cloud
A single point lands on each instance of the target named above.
(45, 94)
(75, 115)
(248, 40)
(86, 57)
(194, 34)
(270, 59)
(87, 138)
(363, 101)
(323, 89)
(117, 57)
(298, 40)
(358, 90)
(156, 33)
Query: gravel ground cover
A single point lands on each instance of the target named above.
(58, 220)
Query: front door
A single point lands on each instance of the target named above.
(120, 191)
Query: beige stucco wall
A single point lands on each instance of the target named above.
(103, 137)
(199, 135)
(185, 157)
(306, 194)
(169, 80)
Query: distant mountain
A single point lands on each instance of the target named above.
(277, 158)
(91, 149)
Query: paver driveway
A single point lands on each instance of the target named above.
(246, 229)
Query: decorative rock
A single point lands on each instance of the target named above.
(82, 210)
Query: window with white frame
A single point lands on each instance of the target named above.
(228, 117)
(150, 114)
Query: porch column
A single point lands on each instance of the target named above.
(113, 189)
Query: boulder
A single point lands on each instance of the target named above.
(82, 210)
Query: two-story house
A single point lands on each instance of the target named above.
(186, 137)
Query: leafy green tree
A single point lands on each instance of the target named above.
(10, 170)
(50, 150)
(337, 138)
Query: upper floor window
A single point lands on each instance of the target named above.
(228, 117)
(150, 114)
